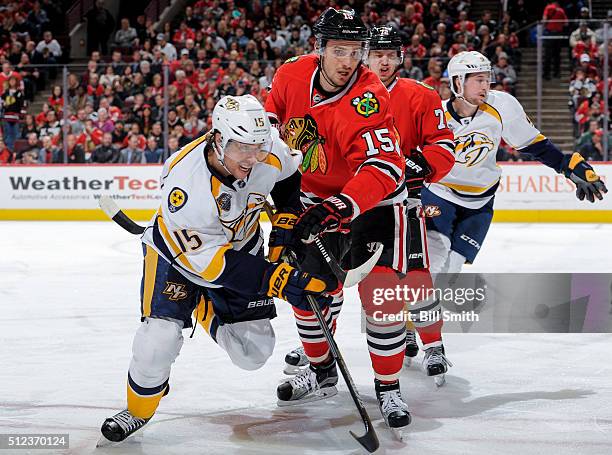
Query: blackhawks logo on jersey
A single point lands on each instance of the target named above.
(473, 148)
(302, 134)
(366, 105)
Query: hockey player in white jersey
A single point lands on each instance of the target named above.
(480, 118)
(203, 255)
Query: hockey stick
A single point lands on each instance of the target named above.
(112, 210)
(369, 440)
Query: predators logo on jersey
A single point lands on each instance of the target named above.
(175, 291)
(246, 223)
(473, 148)
(366, 105)
(176, 199)
(302, 134)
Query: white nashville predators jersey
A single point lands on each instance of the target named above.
(202, 214)
(475, 175)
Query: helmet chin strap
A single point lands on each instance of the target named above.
(459, 95)
(326, 77)
(219, 157)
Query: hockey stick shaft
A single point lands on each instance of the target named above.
(112, 210)
(369, 440)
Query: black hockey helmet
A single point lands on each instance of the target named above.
(385, 37)
(341, 25)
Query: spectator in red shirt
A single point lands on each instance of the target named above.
(180, 83)
(183, 34)
(552, 46)
(56, 100)
(6, 156)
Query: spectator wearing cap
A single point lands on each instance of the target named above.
(504, 73)
(166, 48)
(589, 69)
(126, 36)
(215, 72)
(582, 33)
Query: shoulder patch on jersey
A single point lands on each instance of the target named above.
(366, 105)
(177, 199)
(224, 201)
(292, 59)
(425, 85)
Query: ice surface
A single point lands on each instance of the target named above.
(70, 306)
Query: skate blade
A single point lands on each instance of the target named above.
(407, 361)
(133, 438)
(439, 380)
(399, 434)
(320, 394)
(292, 370)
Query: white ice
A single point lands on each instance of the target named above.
(70, 306)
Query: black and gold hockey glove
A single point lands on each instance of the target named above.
(281, 235)
(588, 184)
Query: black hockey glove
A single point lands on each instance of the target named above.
(288, 283)
(334, 214)
(281, 235)
(417, 170)
(588, 183)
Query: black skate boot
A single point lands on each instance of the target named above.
(120, 426)
(412, 348)
(392, 407)
(436, 364)
(316, 382)
(295, 361)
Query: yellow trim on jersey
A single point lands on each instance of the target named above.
(216, 265)
(448, 116)
(188, 148)
(215, 186)
(553, 216)
(150, 272)
(273, 160)
(468, 188)
(69, 214)
(143, 406)
(538, 138)
(485, 107)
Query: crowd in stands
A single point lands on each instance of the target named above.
(113, 110)
(586, 88)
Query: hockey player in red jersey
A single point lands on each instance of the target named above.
(428, 148)
(333, 109)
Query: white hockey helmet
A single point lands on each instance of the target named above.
(241, 119)
(465, 63)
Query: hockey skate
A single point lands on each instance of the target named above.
(436, 364)
(412, 348)
(119, 427)
(314, 383)
(392, 407)
(295, 361)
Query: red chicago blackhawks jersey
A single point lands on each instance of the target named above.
(348, 140)
(420, 122)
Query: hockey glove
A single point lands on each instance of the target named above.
(334, 214)
(417, 170)
(281, 235)
(288, 283)
(588, 183)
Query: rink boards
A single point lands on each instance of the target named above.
(528, 192)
